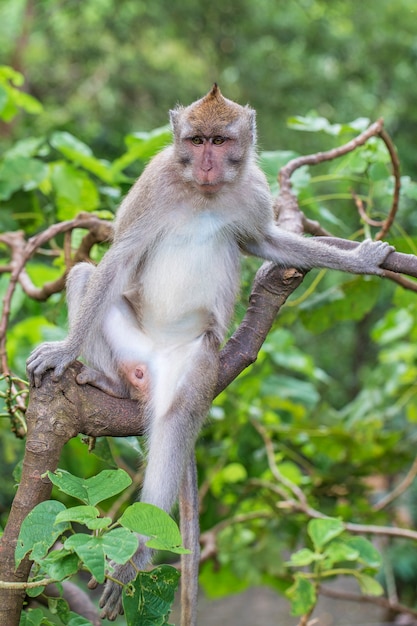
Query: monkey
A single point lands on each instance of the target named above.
(149, 319)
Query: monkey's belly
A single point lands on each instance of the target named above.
(187, 285)
(167, 330)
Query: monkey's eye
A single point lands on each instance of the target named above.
(197, 141)
(218, 140)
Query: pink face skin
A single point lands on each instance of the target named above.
(209, 154)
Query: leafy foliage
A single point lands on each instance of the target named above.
(332, 555)
(150, 596)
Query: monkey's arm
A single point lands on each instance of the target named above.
(291, 250)
(57, 355)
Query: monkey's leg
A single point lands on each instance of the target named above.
(184, 380)
(76, 287)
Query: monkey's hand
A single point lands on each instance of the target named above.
(52, 355)
(368, 257)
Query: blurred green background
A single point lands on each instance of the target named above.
(103, 68)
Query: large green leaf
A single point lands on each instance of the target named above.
(74, 190)
(39, 531)
(153, 522)
(21, 172)
(91, 490)
(147, 601)
(81, 154)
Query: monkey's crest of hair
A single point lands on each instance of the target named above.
(214, 113)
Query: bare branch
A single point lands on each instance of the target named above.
(397, 184)
(399, 489)
(377, 600)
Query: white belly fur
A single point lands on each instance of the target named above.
(187, 278)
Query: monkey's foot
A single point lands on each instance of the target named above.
(90, 376)
(111, 599)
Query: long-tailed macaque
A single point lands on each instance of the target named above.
(149, 319)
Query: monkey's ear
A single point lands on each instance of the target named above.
(173, 117)
(252, 121)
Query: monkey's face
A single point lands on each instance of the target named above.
(211, 161)
(212, 140)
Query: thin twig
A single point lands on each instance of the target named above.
(363, 214)
(406, 283)
(319, 157)
(377, 600)
(399, 489)
(397, 184)
(269, 447)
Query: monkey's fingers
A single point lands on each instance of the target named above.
(375, 253)
(92, 583)
(49, 356)
(111, 601)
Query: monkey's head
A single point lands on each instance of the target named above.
(214, 139)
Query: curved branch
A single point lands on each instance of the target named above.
(397, 185)
(286, 206)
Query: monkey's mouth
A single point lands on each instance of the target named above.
(209, 188)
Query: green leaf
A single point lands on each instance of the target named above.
(91, 490)
(147, 601)
(230, 474)
(39, 531)
(28, 147)
(88, 515)
(303, 557)
(338, 551)
(303, 596)
(33, 617)
(395, 325)
(60, 564)
(350, 301)
(91, 553)
(271, 163)
(81, 154)
(368, 554)
(27, 102)
(314, 123)
(322, 531)
(81, 514)
(74, 190)
(369, 585)
(142, 146)
(21, 173)
(3, 99)
(59, 607)
(118, 545)
(151, 521)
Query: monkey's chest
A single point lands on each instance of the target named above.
(187, 278)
